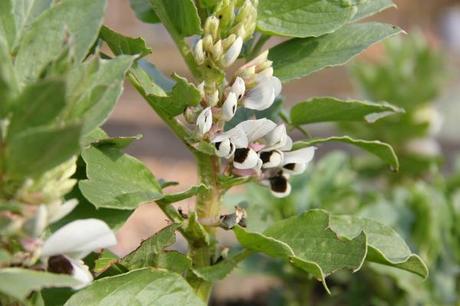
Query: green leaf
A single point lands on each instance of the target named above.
(144, 11)
(35, 151)
(77, 20)
(139, 287)
(380, 149)
(146, 254)
(385, 246)
(104, 261)
(183, 94)
(8, 83)
(371, 7)
(117, 142)
(19, 283)
(307, 242)
(326, 109)
(123, 45)
(117, 180)
(94, 89)
(179, 196)
(221, 269)
(300, 57)
(38, 105)
(302, 18)
(7, 24)
(180, 16)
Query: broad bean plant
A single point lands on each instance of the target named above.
(66, 186)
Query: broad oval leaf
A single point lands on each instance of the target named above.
(302, 18)
(77, 20)
(385, 246)
(19, 283)
(117, 180)
(307, 242)
(327, 109)
(138, 287)
(144, 11)
(380, 149)
(300, 57)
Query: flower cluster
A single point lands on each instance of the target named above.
(255, 147)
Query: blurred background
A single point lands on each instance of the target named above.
(437, 20)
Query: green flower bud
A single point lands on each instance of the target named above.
(212, 27)
(208, 43)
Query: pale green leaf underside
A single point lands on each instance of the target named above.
(380, 149)
(74, 20)
(138, 287)
(302, 18)
(327, 109)
(300, 57)
(116, 180)
(385, 245)
(19, 283)
(371, 7)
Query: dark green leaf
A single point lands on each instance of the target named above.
(385, 246)
(123, 45)
(117, 180)
(326, 109)
(37, 150)
(38, 105)
(380, 149)
(144, 11)
(183, 94)
(143, 287)
(302, 18)
(19, 283)
(77, 20)
(300, 57)
(180, 16)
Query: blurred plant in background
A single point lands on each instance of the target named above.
(419, 202)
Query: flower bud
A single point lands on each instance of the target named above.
(225, 12)
(229, 107)
(204, 121)
(217, 50)
(208, 42)
(191, 114)
(200, 88)
(213, 98)
(227, 42)
(233, 52)
(238, 87)
(212, 26)
(198, 52)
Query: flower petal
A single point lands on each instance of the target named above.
(256, 129)
(78, 238)
(236, 135)
(261, 96)
(245, 158)
(204, 120)
(229, 106)
(225, 148)
(304, 155)
(198, 52)
(233, 52)
(62, 210)
(81, 273)
(279, 186)
(271, 159)
(238, 87)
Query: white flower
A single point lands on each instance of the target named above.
(233, 52)
(278, 139)
(198, 52)
(67, 246)
(204, 121)
(263, 94)
(246, 158)
(295, 162)
(225, 148)
(229, 106)
(271, 159)
(279, 185)
(238, 87)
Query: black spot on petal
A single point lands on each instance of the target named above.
(265, 156)
(290, 166)
(59, 264)
(241, 154)
(234, 108)
(278, 183)
(217, 144)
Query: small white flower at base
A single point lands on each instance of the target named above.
(229, 107)
(295, 162)
(245, 158)
(263, 94)
(225, 148)
(238, 87)
(65, 248)
(233, 52)
(204, 121)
